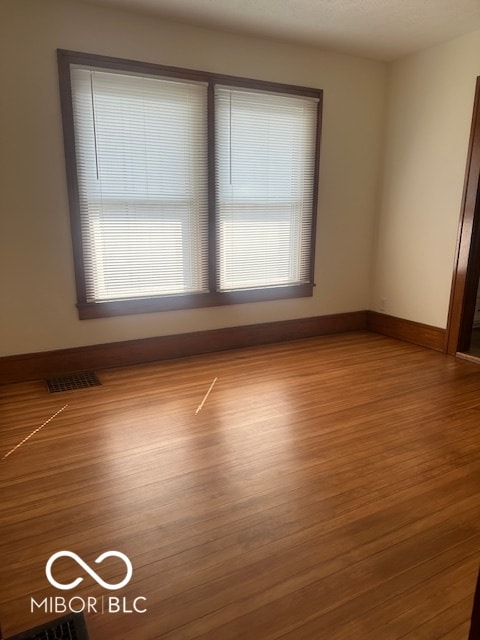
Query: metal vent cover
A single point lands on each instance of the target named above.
(70, 627)
(72, 381)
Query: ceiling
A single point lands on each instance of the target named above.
(379, 29)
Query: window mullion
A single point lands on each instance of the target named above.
(212, 217)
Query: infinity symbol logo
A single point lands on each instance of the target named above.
(91, 572)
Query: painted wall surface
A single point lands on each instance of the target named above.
(429, 112)
(38, 310)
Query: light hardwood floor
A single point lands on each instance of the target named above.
(329, 488)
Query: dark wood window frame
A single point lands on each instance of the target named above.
(88, 309)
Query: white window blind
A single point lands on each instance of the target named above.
(265, 168)
(141, 149)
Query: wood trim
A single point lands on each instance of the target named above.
(35, 366)
(138, 66)
(90, 310)
(316, 178)
(467, 259)
(468, 357)
(213, 256)
(65, 89)
(474, 633)
(415, 332)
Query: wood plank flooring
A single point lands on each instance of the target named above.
(327, 489)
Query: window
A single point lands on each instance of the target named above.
(186, 188)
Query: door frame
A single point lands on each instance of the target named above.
(466, 273)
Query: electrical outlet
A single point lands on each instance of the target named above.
(382, 305)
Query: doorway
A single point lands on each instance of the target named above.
(461, 335)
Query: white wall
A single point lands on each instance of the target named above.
(36, 272)
(429, 112)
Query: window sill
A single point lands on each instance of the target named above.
(91, 310)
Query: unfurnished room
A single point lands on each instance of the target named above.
(240, 320)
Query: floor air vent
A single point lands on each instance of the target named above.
(71, 627)
(73, 381)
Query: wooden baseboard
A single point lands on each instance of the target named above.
(36, 366)
(468, 357)
(423, 335)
